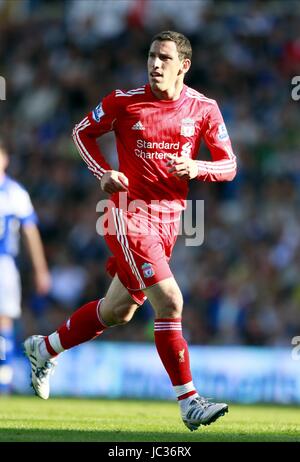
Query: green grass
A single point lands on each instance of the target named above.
(69, 420)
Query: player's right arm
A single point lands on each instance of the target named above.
(99, 121)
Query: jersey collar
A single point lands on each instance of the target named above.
(163, 102)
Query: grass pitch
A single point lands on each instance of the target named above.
(30, 419)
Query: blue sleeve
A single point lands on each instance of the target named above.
(31, 219)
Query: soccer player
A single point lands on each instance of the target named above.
(16, 211)
(158, 129)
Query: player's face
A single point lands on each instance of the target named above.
(164, 65)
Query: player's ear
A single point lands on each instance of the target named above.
(185, 66)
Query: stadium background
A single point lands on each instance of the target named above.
(241, 287)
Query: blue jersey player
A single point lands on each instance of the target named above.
(16, 214)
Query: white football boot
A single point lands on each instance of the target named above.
(200, 411)
(41, 369)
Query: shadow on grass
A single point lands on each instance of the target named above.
(119, 436)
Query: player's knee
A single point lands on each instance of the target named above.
(121, 318)
(123, 315)
(171, 306)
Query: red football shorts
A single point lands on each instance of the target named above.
(141, 249)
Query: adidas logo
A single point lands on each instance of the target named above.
(138, 126)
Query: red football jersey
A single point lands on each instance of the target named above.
(146, 130)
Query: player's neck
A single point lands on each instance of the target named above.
(171, 94)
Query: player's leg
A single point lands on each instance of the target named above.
(86, 323)
(90, 320)
(117, 307)
(167, 302)
(6, 353)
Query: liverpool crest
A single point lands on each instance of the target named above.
(181, 355)
(187, 127)
(147, 269)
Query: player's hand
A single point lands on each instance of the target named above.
(113, 181)
(43, 282)
(181, 167)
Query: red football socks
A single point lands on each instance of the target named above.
(86, 324)
(83, 325)
(173, 351)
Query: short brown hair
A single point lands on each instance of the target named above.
(183, 44)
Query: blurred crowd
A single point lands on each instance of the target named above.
(242, 285)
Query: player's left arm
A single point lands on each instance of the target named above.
(223, 164)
